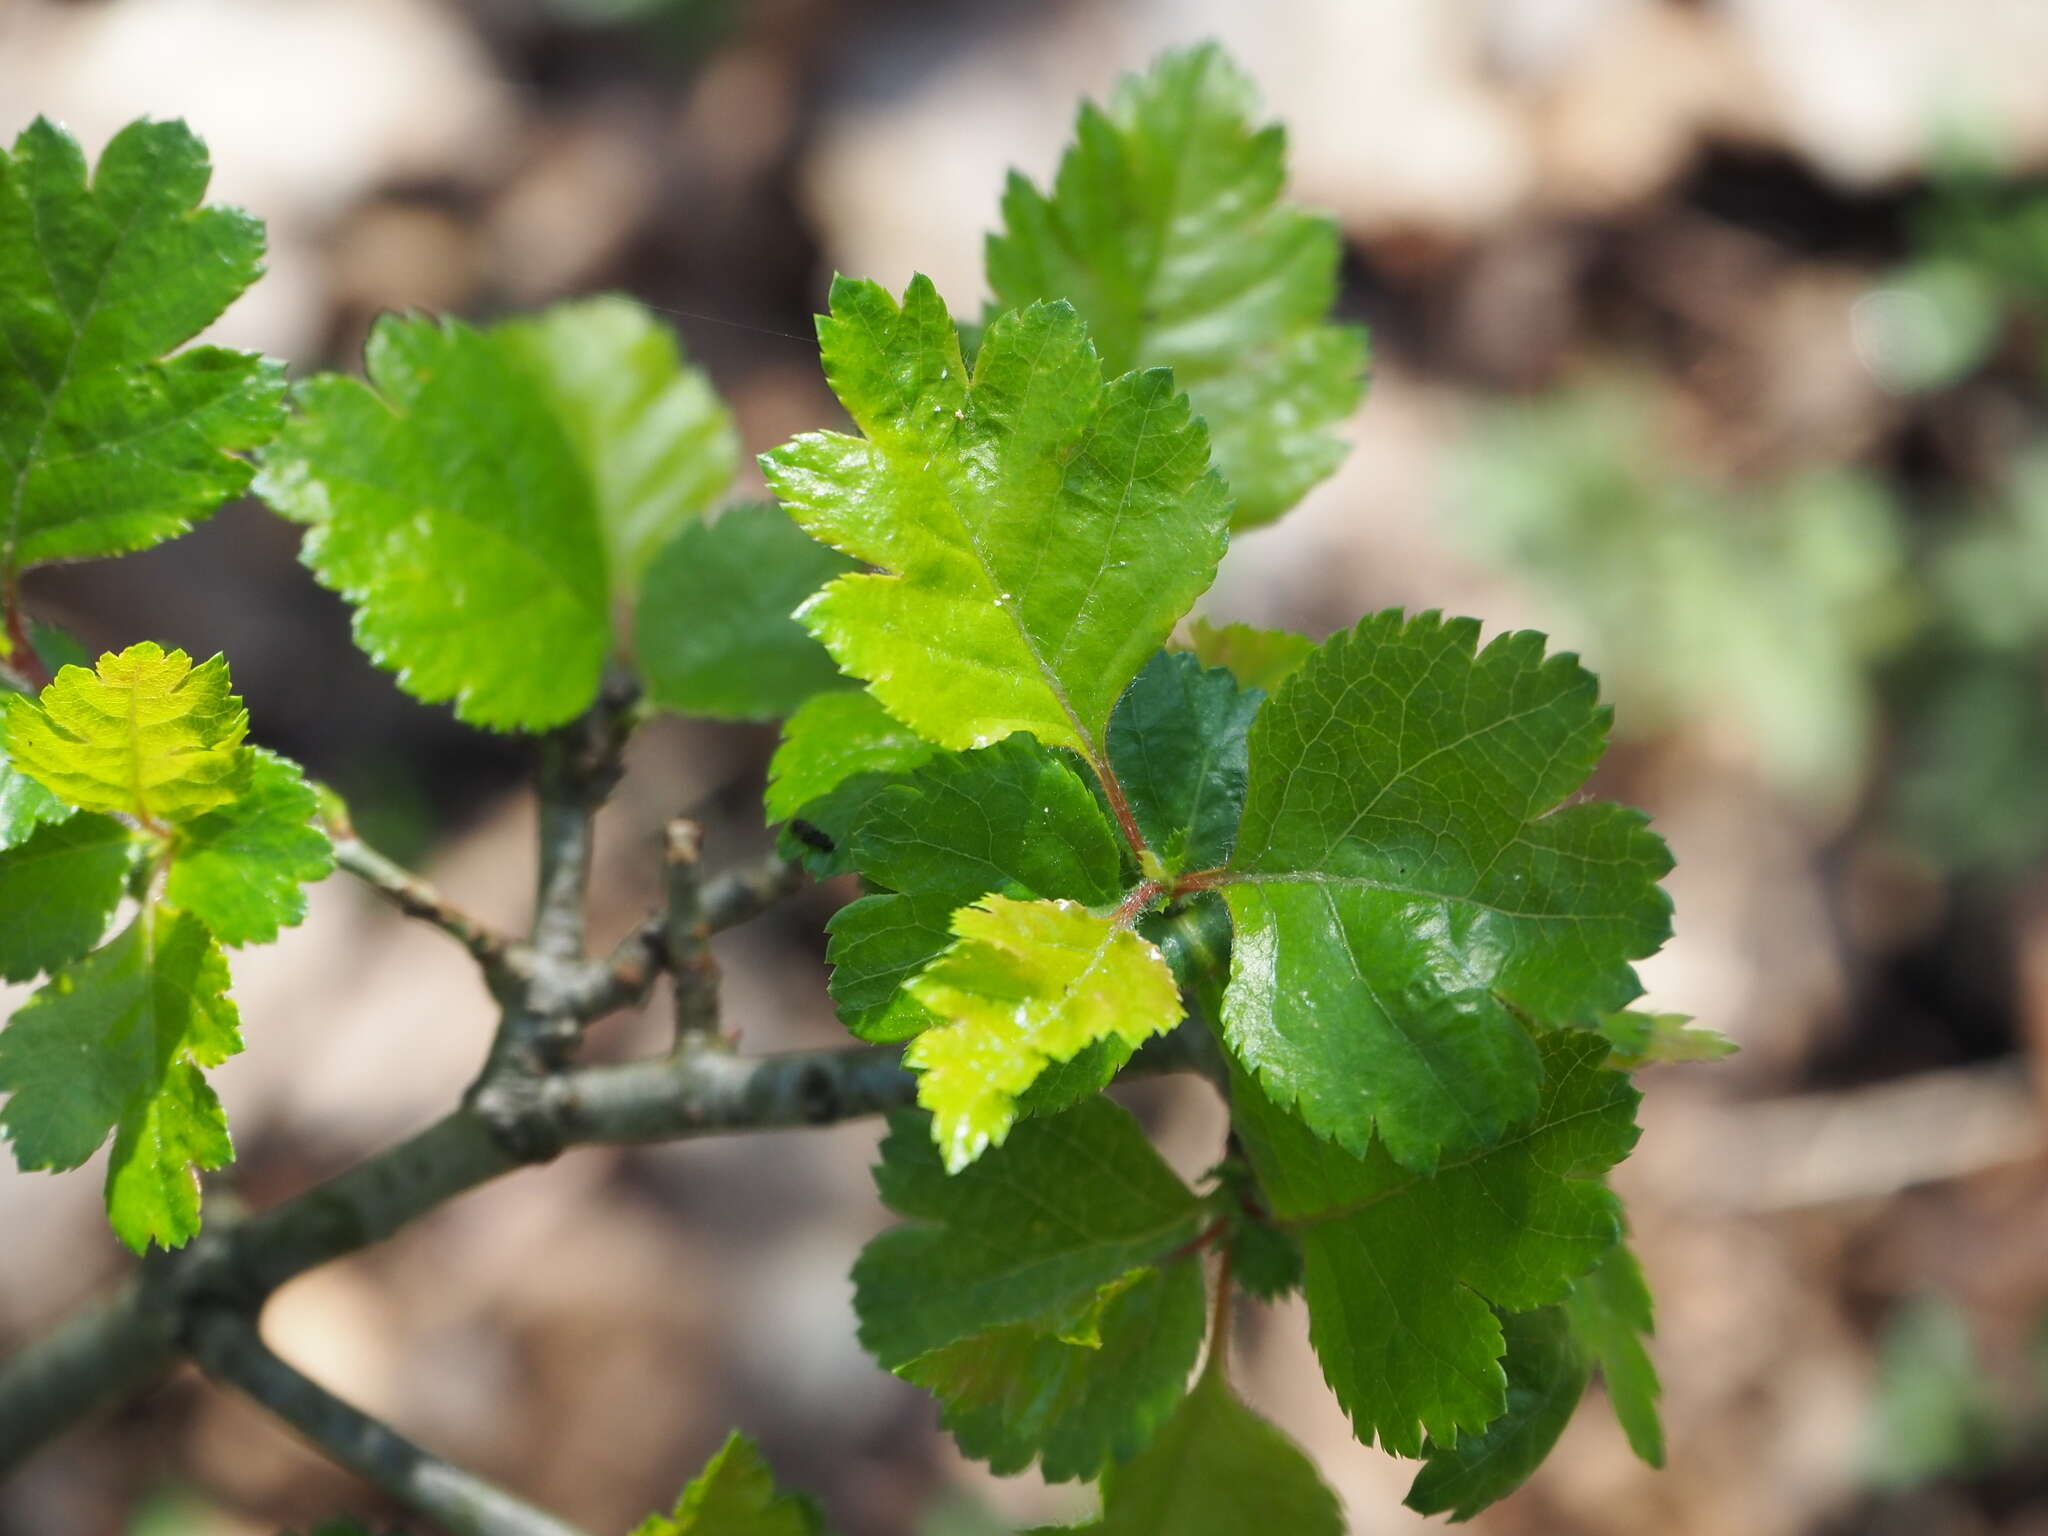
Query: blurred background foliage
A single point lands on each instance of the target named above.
(1710, 336)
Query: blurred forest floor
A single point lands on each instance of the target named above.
(1711, 338)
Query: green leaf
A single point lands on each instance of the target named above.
(1166, 230)
(1258, 658)
(838, 751)
(106, 444)
(240, 869)
(1404, 1270)
(489, 498)
(830, 739)
(1018, 1393)
(24, 804)
(1611, 1314)
(735, 1496)
(1217, 1469)
(1405, 880)
(117, 1043)
(1027, 984)
(715, 634)
(1032, 1234)
(1646, 1039)
(145, 734)
(1038, 532)
(1011, 818)
(58, 890)
(1546, 1378)
(656, 443)
(1177, 743)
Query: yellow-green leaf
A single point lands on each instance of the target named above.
(1026, 984)
(144, 734)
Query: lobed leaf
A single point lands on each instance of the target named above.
(240, 869)
(1025, 985)
(1177, 744)
(488, 498)
(117, 1042)
(1031, 1234)
(1165, 229)
(1611, 1314)
(1404, 880)
(1011, 818)
(714, 633)
(58, 891)
(1546, 1377)
(1216, 1469)
(106, 444)
(144, 734)
(735, 1496)
(1019, 1393)
(1037, 531)
(1404, 1270)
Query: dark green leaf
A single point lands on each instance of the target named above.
(58, 891)
(240, 870)
(1177, 742)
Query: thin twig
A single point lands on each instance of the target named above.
(494, 951)
(121, 1344)
(227, 1346)
(686, 937)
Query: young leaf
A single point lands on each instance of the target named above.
(145, 734)
(1032, 1234)
(1257, 658)
(1611, 1314)
(106, 444)
(1216, 1469)
(1546, 1373)
(116, 1043)
(487, 499)
(1165, 229)
(658, 445)
(715, 636)
(1647, 1039)
(1177, 743)
(24, 804)
(58, 890)
(1027, 984)
(239, 869)
(838, 750)
(1011, 818)
(1038, 531)
(1019, 1393)
(735, 1496)
(1404, 1270)
(1403, 876)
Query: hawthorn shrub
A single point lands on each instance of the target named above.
(1353, 884)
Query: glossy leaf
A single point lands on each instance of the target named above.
(1405, 1270)
(1037, 531)
(58, 891)
(735, 1496)
(144, 734)
(1026, 984)
(1216, 1469)
(106, 444)
(1165, 228)
(241, 869)
(1405, 878)
(715, 636)
(1177, 743)
(117, 1043)
(1032, 1234)
(1011, 818)
(1019, 1393)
